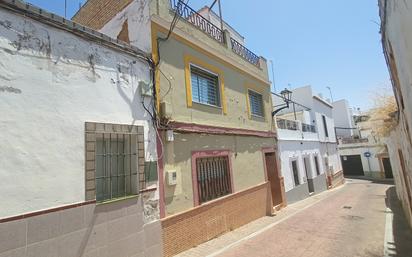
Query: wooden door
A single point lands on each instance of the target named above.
(274, 178)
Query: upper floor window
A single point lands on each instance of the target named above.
(205, 86)
(255, 103)
(325, 126)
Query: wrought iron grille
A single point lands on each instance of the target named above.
(354, 140)
(116, 165)
(308, 128)
(245, 53)
(213, 178)
(287, 124)
(190, 15)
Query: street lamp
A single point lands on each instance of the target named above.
(286, 96)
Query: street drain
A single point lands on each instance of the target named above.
(353, 217)
(347, 207)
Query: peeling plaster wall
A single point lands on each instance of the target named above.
(397, 41)
(51, 82)
(138, 18)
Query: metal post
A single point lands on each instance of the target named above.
(330, 92)
(273, 76)
(220, 15)
(65, 9)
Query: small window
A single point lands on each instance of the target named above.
(205, 87)
(325, 126)
(256, 103)
(295, 172)
(116, 166)
(317, 166)
(213, 178)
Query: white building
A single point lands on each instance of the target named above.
(307, 145)
(362, 151)
(396, 17)
(78, 150)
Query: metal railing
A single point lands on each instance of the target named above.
(354, 140)
(308, 128)
(190, 15)
(245, 53)
(287, 124)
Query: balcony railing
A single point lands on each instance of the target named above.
(354, 140)
(287, 124)
(245, 53)
(308, 128)
(190, 15)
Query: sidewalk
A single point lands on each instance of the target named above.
(218, 245)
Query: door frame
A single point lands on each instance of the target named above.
(266, 150)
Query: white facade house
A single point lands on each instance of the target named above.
(362, 151)
(78, 148)
(343, 117)
(307, 144)
(396, 17)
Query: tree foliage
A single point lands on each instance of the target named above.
(384, 109)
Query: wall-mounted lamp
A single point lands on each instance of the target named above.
(286, 96)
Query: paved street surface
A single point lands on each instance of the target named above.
(353, 220)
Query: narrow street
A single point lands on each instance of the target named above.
(350, 222)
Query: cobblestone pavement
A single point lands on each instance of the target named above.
(348, 221)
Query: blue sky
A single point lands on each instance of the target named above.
(320, 43)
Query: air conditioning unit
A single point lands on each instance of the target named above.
(171, 176)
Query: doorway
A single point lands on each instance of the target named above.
(352, 165)
(308, 172)
(387, 167)
(274, 178)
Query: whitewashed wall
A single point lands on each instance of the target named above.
(330, 151)
(51, 82)
(321, 130)
(373, 164)
(342, 116)
(291, 150)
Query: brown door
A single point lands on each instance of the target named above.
(274, 178)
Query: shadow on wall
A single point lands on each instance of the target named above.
(402, 232)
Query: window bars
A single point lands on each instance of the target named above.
(256, 103)
(213, 178)
(205, 87)
(116, 165)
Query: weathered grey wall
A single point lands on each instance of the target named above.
(297, 193)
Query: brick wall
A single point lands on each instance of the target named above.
(191, 228)
(96, 13)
